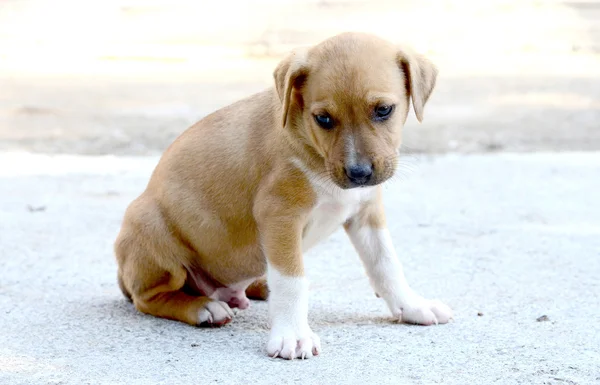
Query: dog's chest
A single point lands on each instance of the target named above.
(330, 212)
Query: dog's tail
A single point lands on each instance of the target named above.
(123, 289)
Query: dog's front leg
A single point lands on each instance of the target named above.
(290, 335)
(371, 238)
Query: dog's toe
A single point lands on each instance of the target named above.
(426, 312)
(215, 313)
(442, 312)
(291, 346)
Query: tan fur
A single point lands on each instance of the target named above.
(258, 289)
(226, 192)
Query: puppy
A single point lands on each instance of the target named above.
(244, 192)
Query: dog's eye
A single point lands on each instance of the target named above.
(325, 121)
(383, 112)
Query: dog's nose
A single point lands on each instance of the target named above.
(359, 173)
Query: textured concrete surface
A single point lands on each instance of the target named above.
(504, 239)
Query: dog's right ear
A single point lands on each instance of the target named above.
(290, 76)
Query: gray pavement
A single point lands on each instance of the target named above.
(502, 238)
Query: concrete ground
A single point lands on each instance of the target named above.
(505, 227)
(510, 241)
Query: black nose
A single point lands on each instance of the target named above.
(360, 173)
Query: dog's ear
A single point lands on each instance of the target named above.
(290, 76)
(421, 76)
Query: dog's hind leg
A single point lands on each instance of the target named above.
(152, 272)
(166, 298)
(258, 289)
(124, 290)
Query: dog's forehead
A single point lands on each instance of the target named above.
(353, 71)
(356, 81)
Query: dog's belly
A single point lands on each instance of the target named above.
(199, 282)
(234, 295)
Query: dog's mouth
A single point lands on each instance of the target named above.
(347, 184)
(340, 177)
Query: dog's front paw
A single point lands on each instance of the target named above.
(423, 311)
(215, 313)
(289, 344)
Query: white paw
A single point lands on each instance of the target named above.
(423, 311)
(288, 344)
(215, 313)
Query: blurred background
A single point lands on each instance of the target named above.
(127, 77)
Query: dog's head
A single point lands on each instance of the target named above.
(346, 101)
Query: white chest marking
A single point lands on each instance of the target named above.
(334, 206)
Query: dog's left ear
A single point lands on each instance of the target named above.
(290, 76)
(421, 76)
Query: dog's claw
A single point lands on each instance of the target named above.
(290, 347)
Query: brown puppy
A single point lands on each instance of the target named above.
(249, 188)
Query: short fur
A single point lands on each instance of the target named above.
(244, 188)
